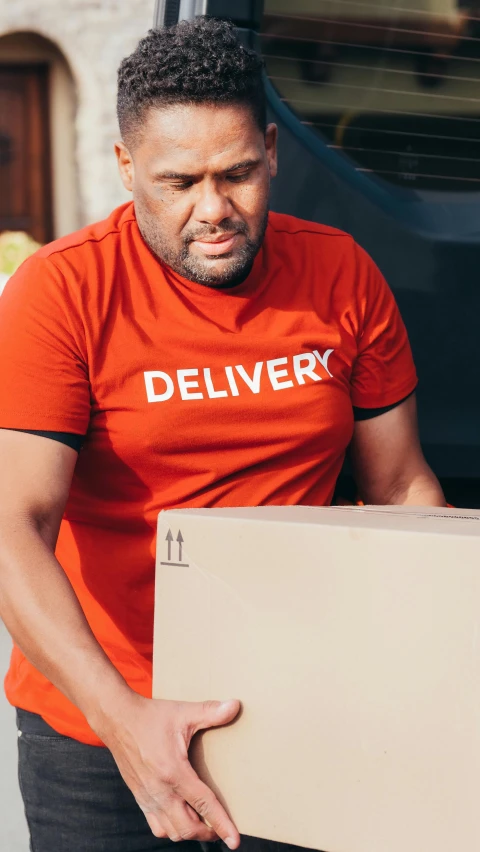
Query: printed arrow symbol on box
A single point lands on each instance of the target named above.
(180, 542)
(169, 538)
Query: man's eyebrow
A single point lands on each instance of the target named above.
(173, 176)
(245, 164)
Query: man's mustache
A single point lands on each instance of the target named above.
(225, 227)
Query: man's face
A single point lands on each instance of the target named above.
(200, 177)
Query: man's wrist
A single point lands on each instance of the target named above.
(108, 704)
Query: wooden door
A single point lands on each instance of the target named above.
(25, 177)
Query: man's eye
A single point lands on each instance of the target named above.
(239, 177)
(181, 186)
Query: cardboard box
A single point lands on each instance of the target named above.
(351, 636)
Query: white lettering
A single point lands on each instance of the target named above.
(253, 384)
(324, 359)
(160, 386)
(231, 381)
(213, 394)
(274, 374)
(300, 371)
(149, 376)
(184, 385)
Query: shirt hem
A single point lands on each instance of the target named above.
(27, 423)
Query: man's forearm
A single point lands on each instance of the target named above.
(421, 492)
(390, 468)
(45, 620)
(419, 489)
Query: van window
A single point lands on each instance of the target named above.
(392, 84)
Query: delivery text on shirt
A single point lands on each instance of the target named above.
(279, 372)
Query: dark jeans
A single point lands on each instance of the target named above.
(76, 800)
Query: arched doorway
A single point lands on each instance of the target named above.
(38, 185)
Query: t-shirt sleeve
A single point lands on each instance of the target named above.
(383, 372)
(44, 381)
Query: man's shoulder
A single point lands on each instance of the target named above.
(283, 224)
(332, 251)
(71, 265)
(92, 236)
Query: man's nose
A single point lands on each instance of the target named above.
(212, 205)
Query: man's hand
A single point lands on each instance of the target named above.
(149, 740)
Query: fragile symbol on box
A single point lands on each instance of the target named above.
(169, 540)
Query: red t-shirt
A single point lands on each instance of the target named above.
(188, 396)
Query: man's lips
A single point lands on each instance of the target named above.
(216, 246)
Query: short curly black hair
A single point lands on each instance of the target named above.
(193, 62)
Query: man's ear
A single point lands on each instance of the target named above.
(125, 165)
(271, 136)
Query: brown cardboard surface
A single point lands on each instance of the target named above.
(351, 636)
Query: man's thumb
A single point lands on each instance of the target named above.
(211, 714)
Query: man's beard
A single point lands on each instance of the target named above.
(196, 269)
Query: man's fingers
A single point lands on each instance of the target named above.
(186, 824)
(157, 827)
(206, 804)
(156, 824)
(210, 714)
(179, 823)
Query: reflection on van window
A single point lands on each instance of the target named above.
(393, 84)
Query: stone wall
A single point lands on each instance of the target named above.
(93, 35)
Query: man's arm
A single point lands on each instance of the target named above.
(148, 739)
(388, 461)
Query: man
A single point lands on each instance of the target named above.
(189, 351)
